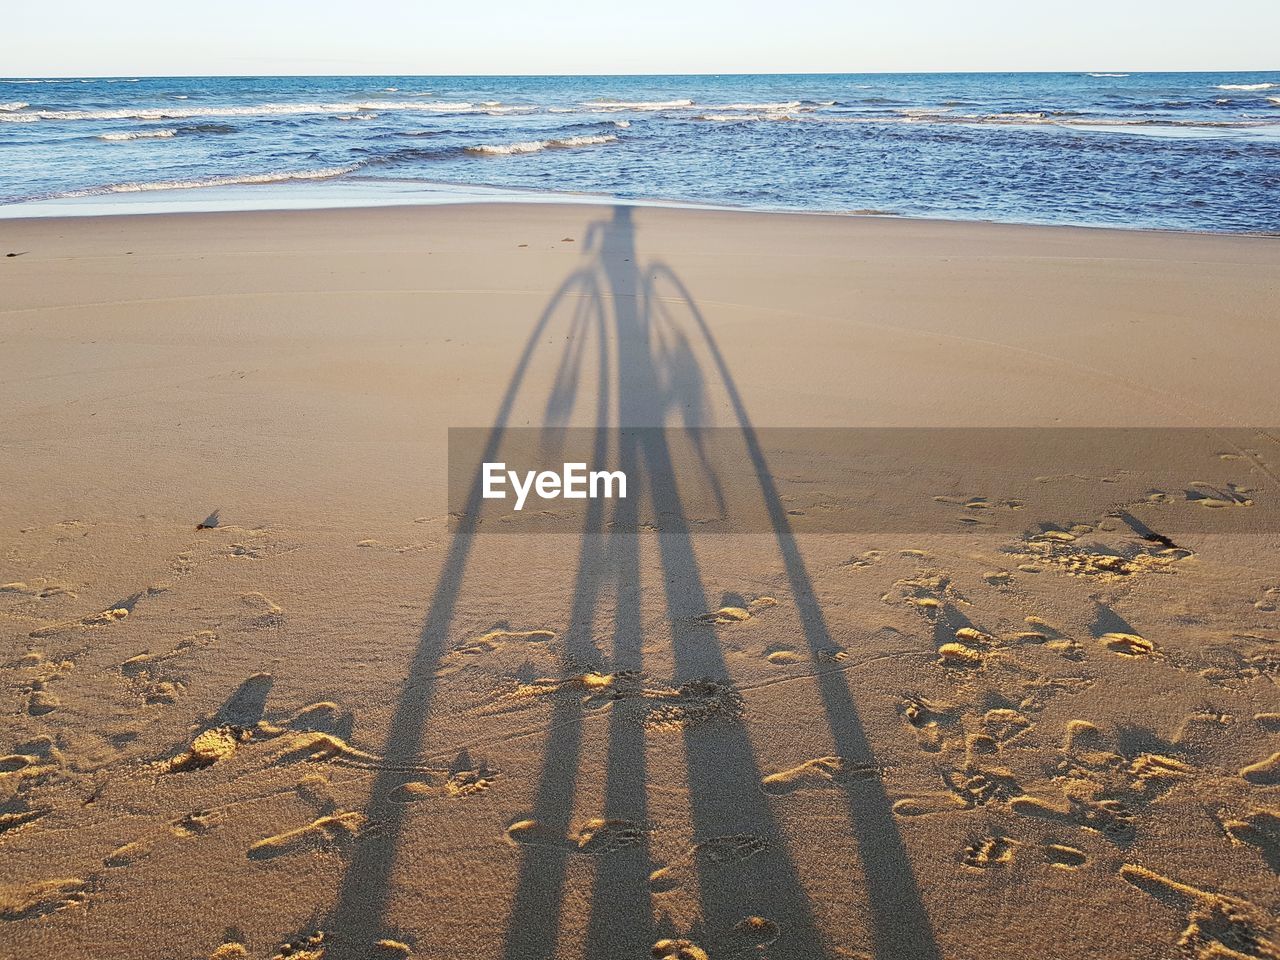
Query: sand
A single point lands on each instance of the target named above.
(262, 699)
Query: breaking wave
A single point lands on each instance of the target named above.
(637, 104)
(533, 146)
(139, 135)
(258, 110)
(280, 176)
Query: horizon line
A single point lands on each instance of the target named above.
(704, 73)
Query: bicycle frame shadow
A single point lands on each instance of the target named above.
(647, 331)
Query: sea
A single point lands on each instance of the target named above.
(1186, 151)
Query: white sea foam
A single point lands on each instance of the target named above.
(13, 105)
(1275, 100)
(742, 117)
(924, 113)
(1016, 117)
(533, 146)
(139, 135)
(637, 104)
(1108, 74)
(259, 110)
(1246, 86)
(755, 107)
(280, 176)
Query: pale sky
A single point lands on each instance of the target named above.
(168, 38)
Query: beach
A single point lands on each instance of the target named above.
(266, 698)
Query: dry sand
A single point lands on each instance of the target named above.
(324, 725)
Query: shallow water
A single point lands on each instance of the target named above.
(1191, 151)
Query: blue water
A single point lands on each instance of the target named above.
(1193, 151)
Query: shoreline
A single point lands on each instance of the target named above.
(242, 200)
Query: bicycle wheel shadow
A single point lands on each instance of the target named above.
(656, 362)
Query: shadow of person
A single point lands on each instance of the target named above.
(648, 335)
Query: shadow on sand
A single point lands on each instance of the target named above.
(654, 358)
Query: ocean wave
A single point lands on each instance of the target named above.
(1275, 100)
(924, 113)
(71, 80)
(533, 146)
(206, 128)
(259, 110)
(1247, 86)
(13, 105)
(742, 117)
(1063, 119)
(1108, 74)
(139, 135)
(281, 176)
(755, 107)
(637, 104)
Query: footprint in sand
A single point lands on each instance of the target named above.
(26, 901)
(677, 949)
(1064, 857)
(730, 848)
(967, 651)
(989, 853)
(739, 612)
(15, 814)
(334, 831)
(1259, 829)
(265, 613)
(1264, 772)
(976, 786)
(1128, 644)
(928, 718)
(498, 638)
(819, 773)
(751, 934)
(36, 673)
(110, 615)
(1218, 926)
(191, 825)
(1004, 724)
(1109, 817)
(464, 778)
(960, 657)
(40, 589)
(1041, 632)
(865, 560)
(1215, 497)
(597, 837)
(782, 655)
(307, 947)
(928, 593)
(717, 851)
(210, 747)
